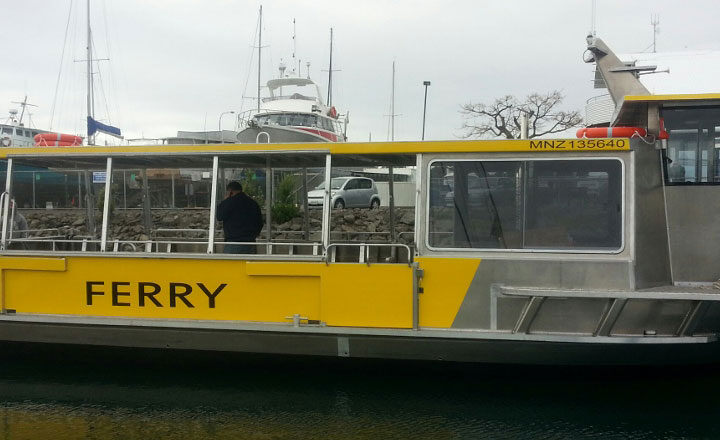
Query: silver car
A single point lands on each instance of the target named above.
(347, 192)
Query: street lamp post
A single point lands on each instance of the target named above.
(426, 84)
(222, 138)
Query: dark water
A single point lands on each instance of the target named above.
(123, 394)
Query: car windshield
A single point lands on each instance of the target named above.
(335, 183)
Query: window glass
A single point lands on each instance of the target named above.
(352, 184)
(564, 204)
(364, 184)
(693, 151)
(7, 130)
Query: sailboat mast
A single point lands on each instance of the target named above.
(91, 139)
(330, 70)
(259, 57)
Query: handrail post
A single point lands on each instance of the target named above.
(213, 201)
(6, 203)
(418, 200)
(106, 204)
(268, 204)
(326, 204)
(12, 218)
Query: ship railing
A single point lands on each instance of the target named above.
(364, 253)
(351, 252)
(170, 246)
(699, 301)
(356, 246)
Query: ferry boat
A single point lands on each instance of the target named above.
(553, 251)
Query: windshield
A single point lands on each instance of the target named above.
(335, 183)
(294, 119)
(306, 92)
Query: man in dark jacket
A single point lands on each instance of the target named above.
(242, 220)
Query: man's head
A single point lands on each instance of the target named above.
(233, 188)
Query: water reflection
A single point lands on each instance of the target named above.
(124, 394)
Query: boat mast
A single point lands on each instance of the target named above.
(330, 70)
(259, 57)
(90, 113)
(24, 105)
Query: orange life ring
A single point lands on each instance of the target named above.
(609, 132)
(51, 139)
(333, 113)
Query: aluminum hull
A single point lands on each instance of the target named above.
(348, 343)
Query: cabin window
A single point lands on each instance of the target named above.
(693, 149)
(571, 205)
(7, 130)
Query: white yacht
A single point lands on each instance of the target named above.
(293, 112)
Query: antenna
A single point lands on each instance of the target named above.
(330, 71)
(294, 38)
(307, 64)
(23, 104)
(593, 19)
(392, 114)
(392, 106)
(655, 22)
(259, 54)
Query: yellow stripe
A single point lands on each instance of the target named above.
(679, 97)
(513, 145)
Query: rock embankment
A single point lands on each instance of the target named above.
(127, 225)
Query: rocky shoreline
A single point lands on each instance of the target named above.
(127, 225)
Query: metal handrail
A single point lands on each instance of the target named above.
(12, 218)
(148, 245)
(365, 247)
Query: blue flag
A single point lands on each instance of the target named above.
(95, 126)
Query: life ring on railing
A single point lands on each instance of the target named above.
(333, 113)
(609, 132)
(6, 141)
(57, 140)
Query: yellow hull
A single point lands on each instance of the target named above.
(338, 294)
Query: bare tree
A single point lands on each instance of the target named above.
(502, 117)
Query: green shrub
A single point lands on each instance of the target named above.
(284, 192)
(284, 208)
(284, 212)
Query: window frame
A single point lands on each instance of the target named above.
(550, 250)
(698, 150)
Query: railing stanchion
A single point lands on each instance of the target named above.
(106, 205)
(213, 202)
(6, 204)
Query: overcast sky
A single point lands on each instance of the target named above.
(178, 64)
